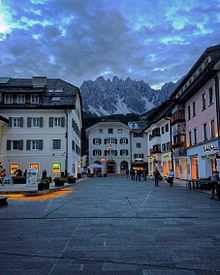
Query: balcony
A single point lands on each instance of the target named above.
(155, 133)
(180, 152)
(178, 116)
(179, 140)
(155, 149)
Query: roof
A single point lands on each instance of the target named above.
(55, 92)
(108, 124)
(213, 51)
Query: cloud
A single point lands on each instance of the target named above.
(79, 40)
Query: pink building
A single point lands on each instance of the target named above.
(196, 117)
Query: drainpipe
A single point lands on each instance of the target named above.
(66, 136)
(217, 114)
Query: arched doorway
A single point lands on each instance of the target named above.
(111, 166)
(123, 167)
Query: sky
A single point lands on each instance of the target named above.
(152, 40)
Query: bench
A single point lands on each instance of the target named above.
(3, 201)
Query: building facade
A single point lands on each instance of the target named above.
(110, 145)
(40, 125)
(195, 118)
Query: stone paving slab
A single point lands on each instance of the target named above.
(112, 225)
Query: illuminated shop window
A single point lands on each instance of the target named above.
(35, 166)
(13, 168)
(56, 168)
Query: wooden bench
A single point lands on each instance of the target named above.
(3, 201)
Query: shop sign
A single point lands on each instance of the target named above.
(209, 148)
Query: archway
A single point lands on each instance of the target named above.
(111, 166)
(123, 167)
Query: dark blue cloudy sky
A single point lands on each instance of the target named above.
(153, 40)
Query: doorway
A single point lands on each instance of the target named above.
(111, 167)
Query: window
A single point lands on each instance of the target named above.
(195, 135)
(35, 122)
(123, 152)
(8, 99)
(138, 134)
(73, 145)
(119, 131)
(101, 131)
(56, 143)
(190, 138)
(194, 109)
(97, 141)
(138, 156)
(110, 140)
(162, 130)
(138, 145)
(97, 152)
(210, 96)
(13, 167)
(16, 122)
(35, 166)
(56, 168)
(56, 121)
(14, 145)
(205, 131)
(34, 144)
(212, 128)
(110, 152)
(110, 130)
(123, 141)
(203, 102)
(189, 113)
(20, 99)
(167, 127)
(34, 99)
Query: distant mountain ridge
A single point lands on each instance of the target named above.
(117, 96)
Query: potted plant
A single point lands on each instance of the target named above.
(71, 179)
(44, 184)
(59, 181)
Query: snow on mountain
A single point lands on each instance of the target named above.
(117, 96)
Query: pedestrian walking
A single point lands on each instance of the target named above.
(170, 178)
(138, 175)
(156, 177)
(127, 172)
(214, 182)
(132, 172)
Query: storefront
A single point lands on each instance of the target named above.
(166, 163)
(153, 162)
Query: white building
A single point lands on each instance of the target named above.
(110, 145)
(40, 125)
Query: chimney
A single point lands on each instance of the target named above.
(39, 81)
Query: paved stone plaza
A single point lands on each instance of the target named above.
(112, 225)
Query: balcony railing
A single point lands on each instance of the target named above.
(178, 116)
(180, 152)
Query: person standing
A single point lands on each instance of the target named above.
(214, 182)
(127, 172)
(156, 177)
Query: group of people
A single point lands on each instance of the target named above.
(136, 174)
(157, 177)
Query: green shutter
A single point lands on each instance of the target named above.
(21, 121)
(41, 144)
(50, 122)
(41, 121)
(28, 145)
(29, 122)
(21, 144)
(8, 145)
(10, 122)
(62, 121)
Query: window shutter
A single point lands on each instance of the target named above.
(8, 145)
(50, 122)
(120, 152)
(126, 141)
(62, 121)
(116, 152)
(21, 121)
(28, 145)
(105, 143)
(41, 121)
(116, 141)
(120, 141)
(105, 153)
(93, 141)
(41, 144)
(21, 144)
(10, 122)
(126, 152)
(100, 141)
(93, 152)
(29, 122)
